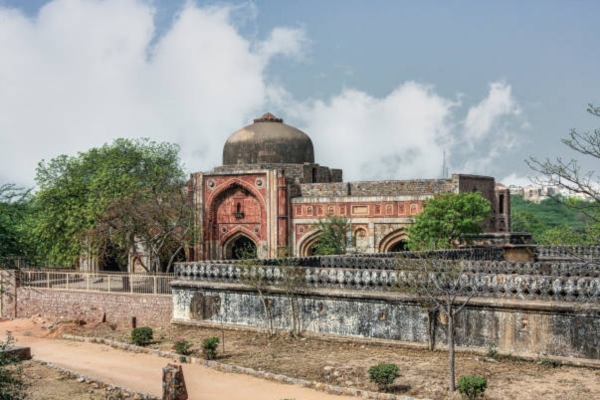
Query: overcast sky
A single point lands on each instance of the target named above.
(382, 88)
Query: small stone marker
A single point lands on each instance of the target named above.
(173, 383)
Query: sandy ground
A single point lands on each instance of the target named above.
(142, 372)
(342, 362)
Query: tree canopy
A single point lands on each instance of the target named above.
(554, 221)
(121, 199)
(14, 206)
(335, 236)
(447, 220)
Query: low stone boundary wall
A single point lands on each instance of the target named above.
(516, 326)
(116, 308)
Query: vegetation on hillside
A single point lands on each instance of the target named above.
(555, 221)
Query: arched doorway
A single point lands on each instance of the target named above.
(399, 246)
(241, 247)
(393, 242)
(307, 245)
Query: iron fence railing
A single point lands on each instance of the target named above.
(110, 282)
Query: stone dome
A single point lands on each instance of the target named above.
(268, 140)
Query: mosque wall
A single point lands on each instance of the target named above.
(516, 327)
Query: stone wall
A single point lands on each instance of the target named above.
(515, 326)
(88, 306)
(533, 307)
(417, 187)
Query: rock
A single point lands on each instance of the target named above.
(81, 379)
(327, 368)
(491, 360)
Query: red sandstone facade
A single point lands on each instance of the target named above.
(258, 200)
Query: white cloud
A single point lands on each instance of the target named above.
(498, 104)
(399, 136)
(84, 72)
(284, 41)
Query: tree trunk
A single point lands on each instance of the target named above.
(452, 379)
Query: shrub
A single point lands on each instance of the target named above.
(383, 374)
(12, 382)
(209, 348)
(182, 347)
(141, 336)
(472, 386)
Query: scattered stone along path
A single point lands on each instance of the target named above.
(143, 372)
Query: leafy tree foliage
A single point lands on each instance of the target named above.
(567, 174)
(335, 236)
(123, 198)
(14, 206)
(568, 236)
(555, 221)
(447, 220)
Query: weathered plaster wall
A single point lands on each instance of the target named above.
(515, 326)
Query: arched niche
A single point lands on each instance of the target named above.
(360, 240)
(233, 207)
(307, 243)
(240, 246)
(394, 241)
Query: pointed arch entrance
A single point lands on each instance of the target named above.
(394, 242)
(236, 222)
(306, 245)
(239, 247)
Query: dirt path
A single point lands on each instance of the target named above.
(142, 372)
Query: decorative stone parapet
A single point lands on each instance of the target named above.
(526, 281)
(568, 252)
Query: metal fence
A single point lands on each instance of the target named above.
(110, 282)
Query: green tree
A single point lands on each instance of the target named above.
(127, 197)
(568, 236)
(335, 236)
(14, 206)
(447, 220)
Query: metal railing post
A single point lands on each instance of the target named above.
(155, 285)
(47, 280)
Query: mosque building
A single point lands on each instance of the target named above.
(269, 195)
